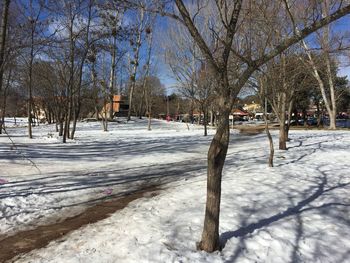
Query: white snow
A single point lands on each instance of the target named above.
(297, 211)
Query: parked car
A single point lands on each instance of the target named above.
(311, 121)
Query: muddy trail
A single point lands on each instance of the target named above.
(24, 242)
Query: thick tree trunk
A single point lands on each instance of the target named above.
(282, 119)
(332, 120)
(60, 133)
(216, 159)
(282, 137)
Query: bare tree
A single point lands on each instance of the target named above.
(153, 89)
(185, 61)
(84, 50)
(204, 94)
(283, 78)
(33, 12)
(112, 17)
(329, 101)
(329, 45)
(3, 32)
(136, 44)
(237, 39)
(147, 66)
(73, 22)
(263, 98)
(4, 19)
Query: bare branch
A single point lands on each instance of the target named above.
(302, 34)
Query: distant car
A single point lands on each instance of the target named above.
(311, 121)
(294, 122)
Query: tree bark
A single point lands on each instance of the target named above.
(136, 63)
(112, 79)
(216, 159)
(205, 114)
(70, 85)
(333, 109)
(282, 133)
(30, 101)
(330, 104)
(149, 122)
(76, 112)
(4, 19)
(4, 102)
(77, 97)
(272, 151)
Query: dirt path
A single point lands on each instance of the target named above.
(26, 241)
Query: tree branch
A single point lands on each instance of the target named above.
(302, 34)
(195, 34)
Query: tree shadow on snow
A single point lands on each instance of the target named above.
(322, 188)
(122, 181)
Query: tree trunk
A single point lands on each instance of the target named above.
(4, 102)
(77, 97)
(61, 128)
(330, 103)
(140, 113)
(319, 115)
(205, 114)
(216, 159)
(149, 121)
(333, 109)
(105, 116)
(212, 123)
(66, 126)
(70, 87)
(30, 101)
(112, 79)
(76, 112)
(4, 19)
(326, 47)
(272, 151)
(136, 63)
(282, 136)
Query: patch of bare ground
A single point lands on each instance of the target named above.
(26, 241)
(251, 130)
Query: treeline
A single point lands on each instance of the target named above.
(67, 59)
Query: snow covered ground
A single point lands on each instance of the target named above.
(297, 211)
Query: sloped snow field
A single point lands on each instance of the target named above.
(297, 211)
